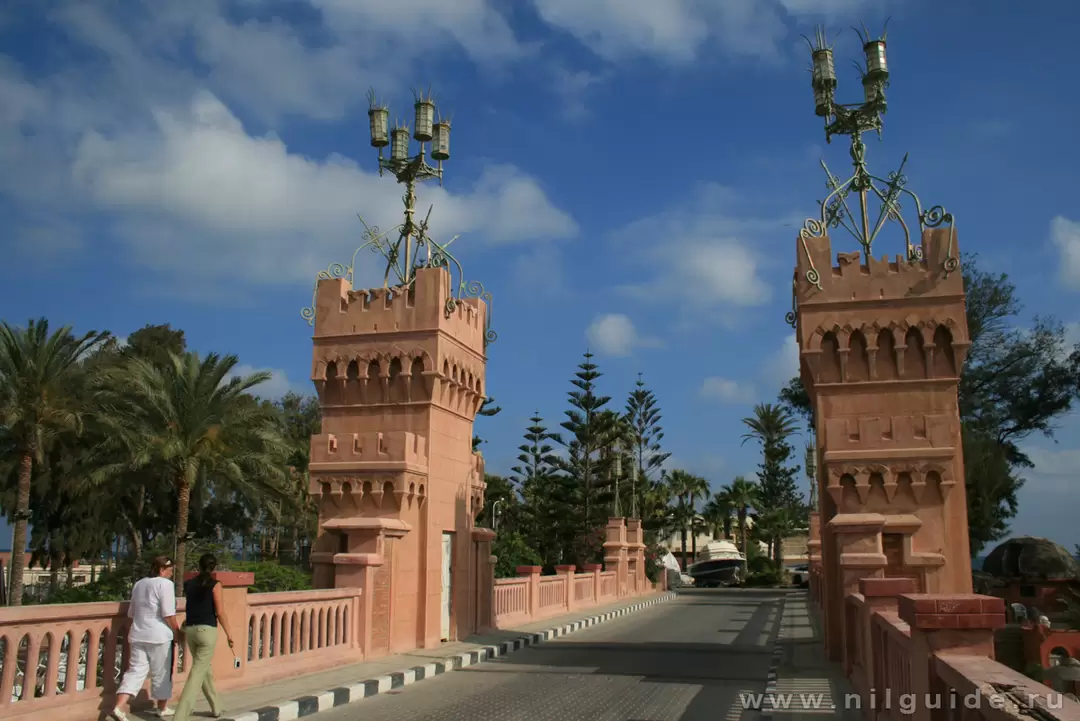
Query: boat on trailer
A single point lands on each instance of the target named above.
(721, 564)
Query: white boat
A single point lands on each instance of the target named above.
(718, 564)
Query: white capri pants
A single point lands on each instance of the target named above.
(155, 660)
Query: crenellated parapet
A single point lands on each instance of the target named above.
(934, 273)
(886, 320)
(430, 304)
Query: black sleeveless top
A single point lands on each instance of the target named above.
(200, 603)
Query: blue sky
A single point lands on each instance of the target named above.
(627, 176)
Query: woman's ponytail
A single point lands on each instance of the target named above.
(207, 566)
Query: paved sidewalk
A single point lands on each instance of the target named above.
(303, 695)
(805, 683)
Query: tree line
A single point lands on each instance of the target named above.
(106, 444)
(603, 461)
(1018, 380)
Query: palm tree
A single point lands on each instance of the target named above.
(195, 419)
(718, 512)
(743, 496)
(774, 526)
(699, 488)
(38, 374)
(769, 424)
(684, 487)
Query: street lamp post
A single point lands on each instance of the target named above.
(410, 169)
(618, 475)
(495, 514)
(853, 120)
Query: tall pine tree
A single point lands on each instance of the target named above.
(643, 418)
(548, 508)
(586, 426)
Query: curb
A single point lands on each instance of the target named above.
(768, 698)
(344, 695)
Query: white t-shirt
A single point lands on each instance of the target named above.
(152, 601)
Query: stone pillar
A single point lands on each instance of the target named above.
(357, 570)
(881, 345)
(234, 593)
(635, 550)
(485, 579)
(533, 574)
(962, 623)
(595, 569)
(615, 553)
(566, 573)
(881, 595)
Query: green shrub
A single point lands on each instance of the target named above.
(114, 585)
(511, 550)
(271, 576)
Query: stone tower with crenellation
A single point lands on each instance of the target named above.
(881, 345)
(400, 376)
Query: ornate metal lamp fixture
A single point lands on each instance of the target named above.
(402, 258)
(853, 120)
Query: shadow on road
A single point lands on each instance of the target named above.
(719, 641)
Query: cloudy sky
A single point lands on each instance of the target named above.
(628, 176)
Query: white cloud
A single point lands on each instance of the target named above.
(783, 365)
(727, 391)
(699, 255)
(614, 334)
(274, 388)
(200, 194)
(573, 88)
(1065, 234)
(677, 31)
(132, 132)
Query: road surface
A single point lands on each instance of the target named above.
(684, 660)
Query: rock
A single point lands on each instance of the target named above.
(1031, 559)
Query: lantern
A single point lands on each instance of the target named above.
(425, 116)
(618, 465)
(871, 90)
(823, 80)
(440, 140)
(811, 460)
(380, 119)
(824, 73)
(823, 102)
(877, 67)
(399, 149)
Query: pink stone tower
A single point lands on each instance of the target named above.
(400, 376)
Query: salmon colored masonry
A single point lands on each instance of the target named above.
(400, 378)
(881, 346)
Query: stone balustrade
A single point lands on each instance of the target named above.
(532, 597)
(930, 657)
(65, 660)
(71, 656)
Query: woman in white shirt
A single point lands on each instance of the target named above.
(151, 636)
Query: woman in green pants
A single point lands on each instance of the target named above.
(205, 610)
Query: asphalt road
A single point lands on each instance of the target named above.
(684, 660)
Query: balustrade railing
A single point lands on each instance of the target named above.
(931, 658)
